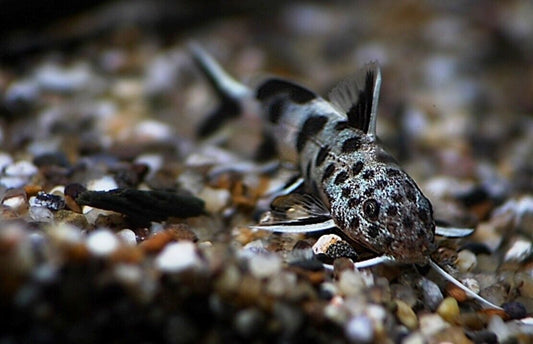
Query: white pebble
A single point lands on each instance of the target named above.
(265, 265)
(431, 324)
(58, 78)
(128, 237)
(351, 282)
(177, 257)
(21, 168)
(519, 250)
(215, 199)
(128, 273)
(153, 161)
(102, 242)
(466, 260)
(359, 329)
(322, 244)
(498, 326)
(15, 202)
(105, 183)
(13, 182)
(41, 214)
(66, 233)
(153, 130)
(5, 160)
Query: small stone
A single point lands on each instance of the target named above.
(449, 310)
(15, 199)
(265, 265)
(50, 201)
(520, 250)
(359, 329)
(515, 310)
(128, 274)
(127, 236)
(102, 242)
(215, 199)
(104, 183)
(41, 214)
(350, 282)
(431, 293)
(483, 336)
(66, 233)
(21, 168)
(466, 261)
(249, 322)
(177, 257)
(430, 324)
(499, 327)
(406, 315)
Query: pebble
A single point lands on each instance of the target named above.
(406, 315)
(5, 160)
(322, 244)
(178, 256)
(520, 250)
(498, 327)
(466, 261)
(63, 79)
(66, 233)
(215, 199)
(127, 236)
(102, 242)
(151, 130)
(104, 183)
(359, 329)
(430, 324)
(46, 200)
(449, 310)
(248, 322)
(431, 293)
(265, 265)
(350, 282)
(41, 214)
(15, 199)
(20, 168)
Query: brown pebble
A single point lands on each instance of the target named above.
(157, 241)
(77, 252)
(32, 190)
(473, 320)
(456, 292)
(341, 264)
(130, 255)
(181, 231)
(452, 334)
(493, 311)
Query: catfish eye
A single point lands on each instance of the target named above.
(371, 209)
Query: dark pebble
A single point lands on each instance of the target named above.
(52, 202)
(515, 310)
(52, 159)
(482, 337)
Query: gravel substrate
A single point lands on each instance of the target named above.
(170, 257)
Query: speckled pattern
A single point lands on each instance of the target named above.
(118, 104)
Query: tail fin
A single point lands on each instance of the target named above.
(228, 90)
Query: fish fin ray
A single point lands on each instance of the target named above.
(358, 97)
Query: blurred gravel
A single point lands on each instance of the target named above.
(108, 97)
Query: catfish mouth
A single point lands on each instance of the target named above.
(406, 252)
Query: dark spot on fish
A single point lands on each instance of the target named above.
(328, 171)
(321, 156)
(407, 223)
(346, 192)
(275, 109)
(341, 178)
(311, 127)
(353, 202)
(381, 184)
(357, 167)
(393, 172)
(227, 110)
(351, 145)
(373, 231)
(354, 223)
(391, 227)
(392, 210)
(388, 240)
(421, 233)
(368, 174)
(396, 197)
(371, 209)
(339, 126)
(369, 191)
(275, 86)
(267, 148)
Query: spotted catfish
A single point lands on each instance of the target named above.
(352, 183)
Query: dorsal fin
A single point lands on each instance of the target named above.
(275, 86)
(358, 97)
